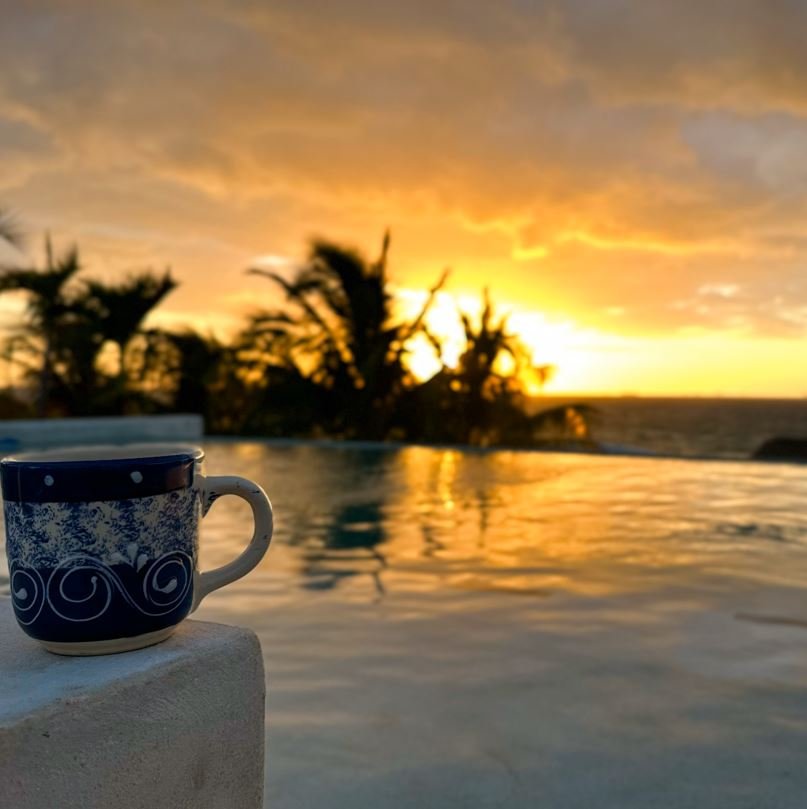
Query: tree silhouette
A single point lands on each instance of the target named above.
(342, 336)
(67, 323)
(490, 399)
(206, 376)
(332, 362)
(48, 309)
(483, 401)
(116, 312)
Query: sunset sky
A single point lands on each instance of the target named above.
(628, 178)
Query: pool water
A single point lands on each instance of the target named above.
(450, 628)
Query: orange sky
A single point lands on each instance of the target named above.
(628, 178)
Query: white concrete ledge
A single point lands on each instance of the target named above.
(102, 429)
(177, 725)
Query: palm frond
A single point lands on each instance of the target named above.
(122, 307)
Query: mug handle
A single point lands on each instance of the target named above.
(211, 489)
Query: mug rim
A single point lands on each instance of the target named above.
(99, 472)
(105, 454)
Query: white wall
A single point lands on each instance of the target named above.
(177, 725)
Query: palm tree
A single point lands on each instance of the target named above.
(117, 312)
(489, 396)
(342, 335)
(48, 307)
(67, 325)
(477, 401)
(483, 401)
(203, 375)
(193, 370)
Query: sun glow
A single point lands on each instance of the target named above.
(563, 345)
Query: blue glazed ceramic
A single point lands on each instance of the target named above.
(102, 543)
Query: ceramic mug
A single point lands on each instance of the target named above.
(102, 543)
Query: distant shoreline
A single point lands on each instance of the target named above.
(604, 451)
(637, 397)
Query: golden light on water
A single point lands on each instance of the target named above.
(447, 478)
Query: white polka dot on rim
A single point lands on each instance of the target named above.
(136, 476)
(49, 481)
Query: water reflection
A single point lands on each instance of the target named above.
(343, 550)
(455, 491)
(342, 537)
(598, 593)
(375, 522)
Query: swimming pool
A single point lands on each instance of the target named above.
(501, 629)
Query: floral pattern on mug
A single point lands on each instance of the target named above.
(43, 534)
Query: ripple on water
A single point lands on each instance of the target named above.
(568, 618)
(505, 522)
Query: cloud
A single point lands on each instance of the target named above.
(742, 55)
(581, 157)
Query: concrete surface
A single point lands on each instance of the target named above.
(30, 433)
(177, 725)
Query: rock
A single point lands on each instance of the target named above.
(782, 449)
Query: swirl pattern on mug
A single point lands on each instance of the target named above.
(81, 588)
(27, 593)
(41, 535)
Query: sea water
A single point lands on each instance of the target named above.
(723, 428)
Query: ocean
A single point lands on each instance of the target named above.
(695, 428)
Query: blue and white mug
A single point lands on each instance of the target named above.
(102, 543)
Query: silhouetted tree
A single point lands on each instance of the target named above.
(341, 337)
(115, 312)
(48, 310)
(203, 375)
(67, 323)
(490, 398)
(332, 362)
(482, 400)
